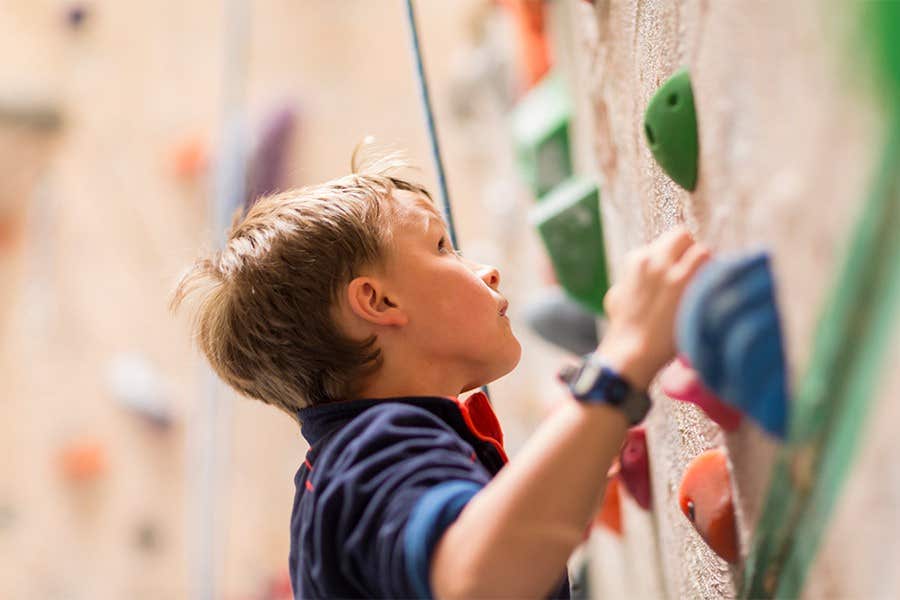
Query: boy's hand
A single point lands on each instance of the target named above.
(640, 338)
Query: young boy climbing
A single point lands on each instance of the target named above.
(346, 306)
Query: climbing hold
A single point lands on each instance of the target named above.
(138, 386)
(83, 460)
(540, 128)
(569, 222)
(635, 466)
(7, 516)
(706, 500)
(670, 125)
(278, 587)
(190, 157)
(266, 167)
(728, 327)
(11, 228)
(563, 322)
(610, 514)
(534, 47)
(76, 14)
(680, 382)
(147, 536)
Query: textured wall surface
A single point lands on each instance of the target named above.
(788, 140)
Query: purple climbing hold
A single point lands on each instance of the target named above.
(267, 163)
(729, 328)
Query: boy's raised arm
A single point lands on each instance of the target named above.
(514, 537)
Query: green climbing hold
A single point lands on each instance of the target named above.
(670, 125)
(568, 219)
(540, 129)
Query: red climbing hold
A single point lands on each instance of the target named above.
(706, 500)
(610, 515)
(681, 382)
(635, 466)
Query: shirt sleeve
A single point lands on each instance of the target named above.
(388, 486)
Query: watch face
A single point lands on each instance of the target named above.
(586, 379)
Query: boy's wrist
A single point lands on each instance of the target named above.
(630, 361)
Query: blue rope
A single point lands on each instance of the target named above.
(432, 134)
(429, 118)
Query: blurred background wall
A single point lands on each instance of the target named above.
(113, 131)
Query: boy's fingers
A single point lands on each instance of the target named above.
(677, 243)
(670, 247)
(610, 300)
(689, 263)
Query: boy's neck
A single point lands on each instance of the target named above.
(413, 379)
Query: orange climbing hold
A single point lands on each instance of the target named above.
(706, 500)
(190, 157)
(610, 514)
(534, 47)
(84, 460)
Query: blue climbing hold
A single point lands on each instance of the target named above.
(728, 326)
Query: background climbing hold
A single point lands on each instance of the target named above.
(534, 47)
(137, 385)
(76, 14)
(147, 536)
(540, 128)
(265, 173)
(610, 514)
(681, 382)
(670, 125)
(190, 157)
(634, 470)
(563, 322)
(569, 222)
(728, 327)
(705, 498)
(83, 460)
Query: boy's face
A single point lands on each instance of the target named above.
(457, 316)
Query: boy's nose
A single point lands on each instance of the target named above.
(490, 275)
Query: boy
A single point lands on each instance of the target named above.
(345, 305)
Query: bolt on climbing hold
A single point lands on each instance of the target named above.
(681, 382)
(729, 328)
(670, 125)
(634, 471)
(610, 514)
(706, 499)
(569, 222)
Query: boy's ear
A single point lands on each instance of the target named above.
(367, 300)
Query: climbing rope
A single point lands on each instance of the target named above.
(444, 196)
(429, 119)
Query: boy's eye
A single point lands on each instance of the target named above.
(444, 247)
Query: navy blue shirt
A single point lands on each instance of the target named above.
(382, 481)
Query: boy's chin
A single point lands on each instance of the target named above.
(500, 368)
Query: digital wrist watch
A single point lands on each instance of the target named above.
(595, 382)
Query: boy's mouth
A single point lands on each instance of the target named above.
(503, 306)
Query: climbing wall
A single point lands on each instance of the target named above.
(789, 138)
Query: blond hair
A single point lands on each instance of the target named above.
(263, 304)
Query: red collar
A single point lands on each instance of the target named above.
(479, 416)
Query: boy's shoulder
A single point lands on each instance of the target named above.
(343, 432)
